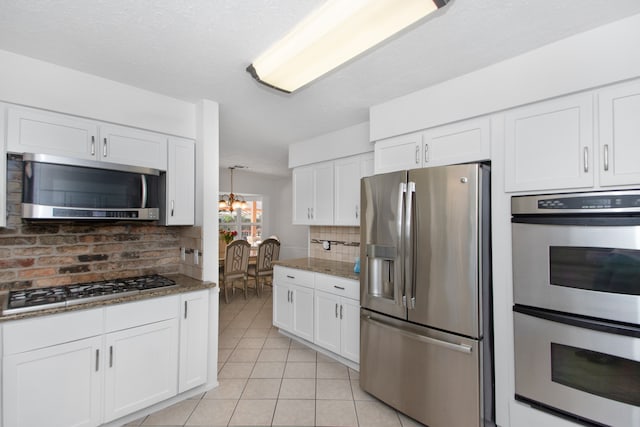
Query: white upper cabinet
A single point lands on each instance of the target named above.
(180, 182)
(313, 194)
(42, 132)
(460, 142)
(3, 168)
(619, 108)
(34, 131)
(549, 145)
(347, 175)
(399, 153)
(119, 144)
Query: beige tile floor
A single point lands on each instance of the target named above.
(267, 379)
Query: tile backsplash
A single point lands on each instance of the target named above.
(344, 243)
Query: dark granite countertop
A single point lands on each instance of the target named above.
(318, 265)
(185, 284)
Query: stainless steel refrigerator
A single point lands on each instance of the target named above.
(425, 322)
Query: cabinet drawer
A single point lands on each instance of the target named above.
(293, 276)
(338, 286)
(129, 315)
(40, 332)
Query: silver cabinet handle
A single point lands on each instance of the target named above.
(426, 153)
(336, 310)
(463, 348)
(340, 311)
(111, 356)
(606, 157)
(97, 360)
(291, 297)
(104, 147)
(356, 211)
(312, 214)
(143, 197)
(586, 159)
(172, 206)
(93, 145)
(291, 277)
(288, 296)
(417, 154)
(185, 309)
(338, 287)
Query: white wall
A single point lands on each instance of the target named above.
(277, 195)
(31, 82)
(603, 55)
(345, 142)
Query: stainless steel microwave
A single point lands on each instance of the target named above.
(61, 188)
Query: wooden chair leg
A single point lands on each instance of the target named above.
(226, 291)
(244, 282)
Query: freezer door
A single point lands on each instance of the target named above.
(445, 235)
(381, 243)
(429, 375)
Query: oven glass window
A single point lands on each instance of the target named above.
(597, 269)
(597, 373)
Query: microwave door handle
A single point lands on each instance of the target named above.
(410, 281)
(143, 182)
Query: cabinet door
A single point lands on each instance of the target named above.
(398, 153)
(350, 329)
(302, 303)
(322, 207)
(180, 178)
(127, 146)
(620, 135)
(58, 386)
(347, 191)
(302, 194)
(549, 145)
(466, 141)
(327, 321)
(3, 168)
(34, 131)
(141, 367)
(194, 330)
(282, 307)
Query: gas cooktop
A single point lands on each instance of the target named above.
(62, 296)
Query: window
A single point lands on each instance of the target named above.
(246, 221)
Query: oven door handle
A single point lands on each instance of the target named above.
(143, 183)
(580, 321)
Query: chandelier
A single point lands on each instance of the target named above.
(231, 202)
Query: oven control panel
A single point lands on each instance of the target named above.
(612, 201)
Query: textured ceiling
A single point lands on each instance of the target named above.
(195, 49)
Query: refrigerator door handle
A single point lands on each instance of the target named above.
(401, 205)
(409, 279)
(462, 348)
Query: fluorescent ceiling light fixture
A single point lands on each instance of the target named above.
(336, 32)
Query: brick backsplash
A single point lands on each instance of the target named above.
(345, 242)
(43, 253)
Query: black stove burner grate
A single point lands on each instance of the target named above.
(60, 296)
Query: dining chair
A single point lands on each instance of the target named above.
(236, 263)
(268, 251)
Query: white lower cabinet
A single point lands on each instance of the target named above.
(57, 386)
(141, 367)
(194, 330)
(85, 368)
(293, 310)
(337, 316)
(321, 308)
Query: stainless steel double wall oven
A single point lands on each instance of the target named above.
(576, 275)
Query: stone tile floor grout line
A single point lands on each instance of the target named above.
(245, 332)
